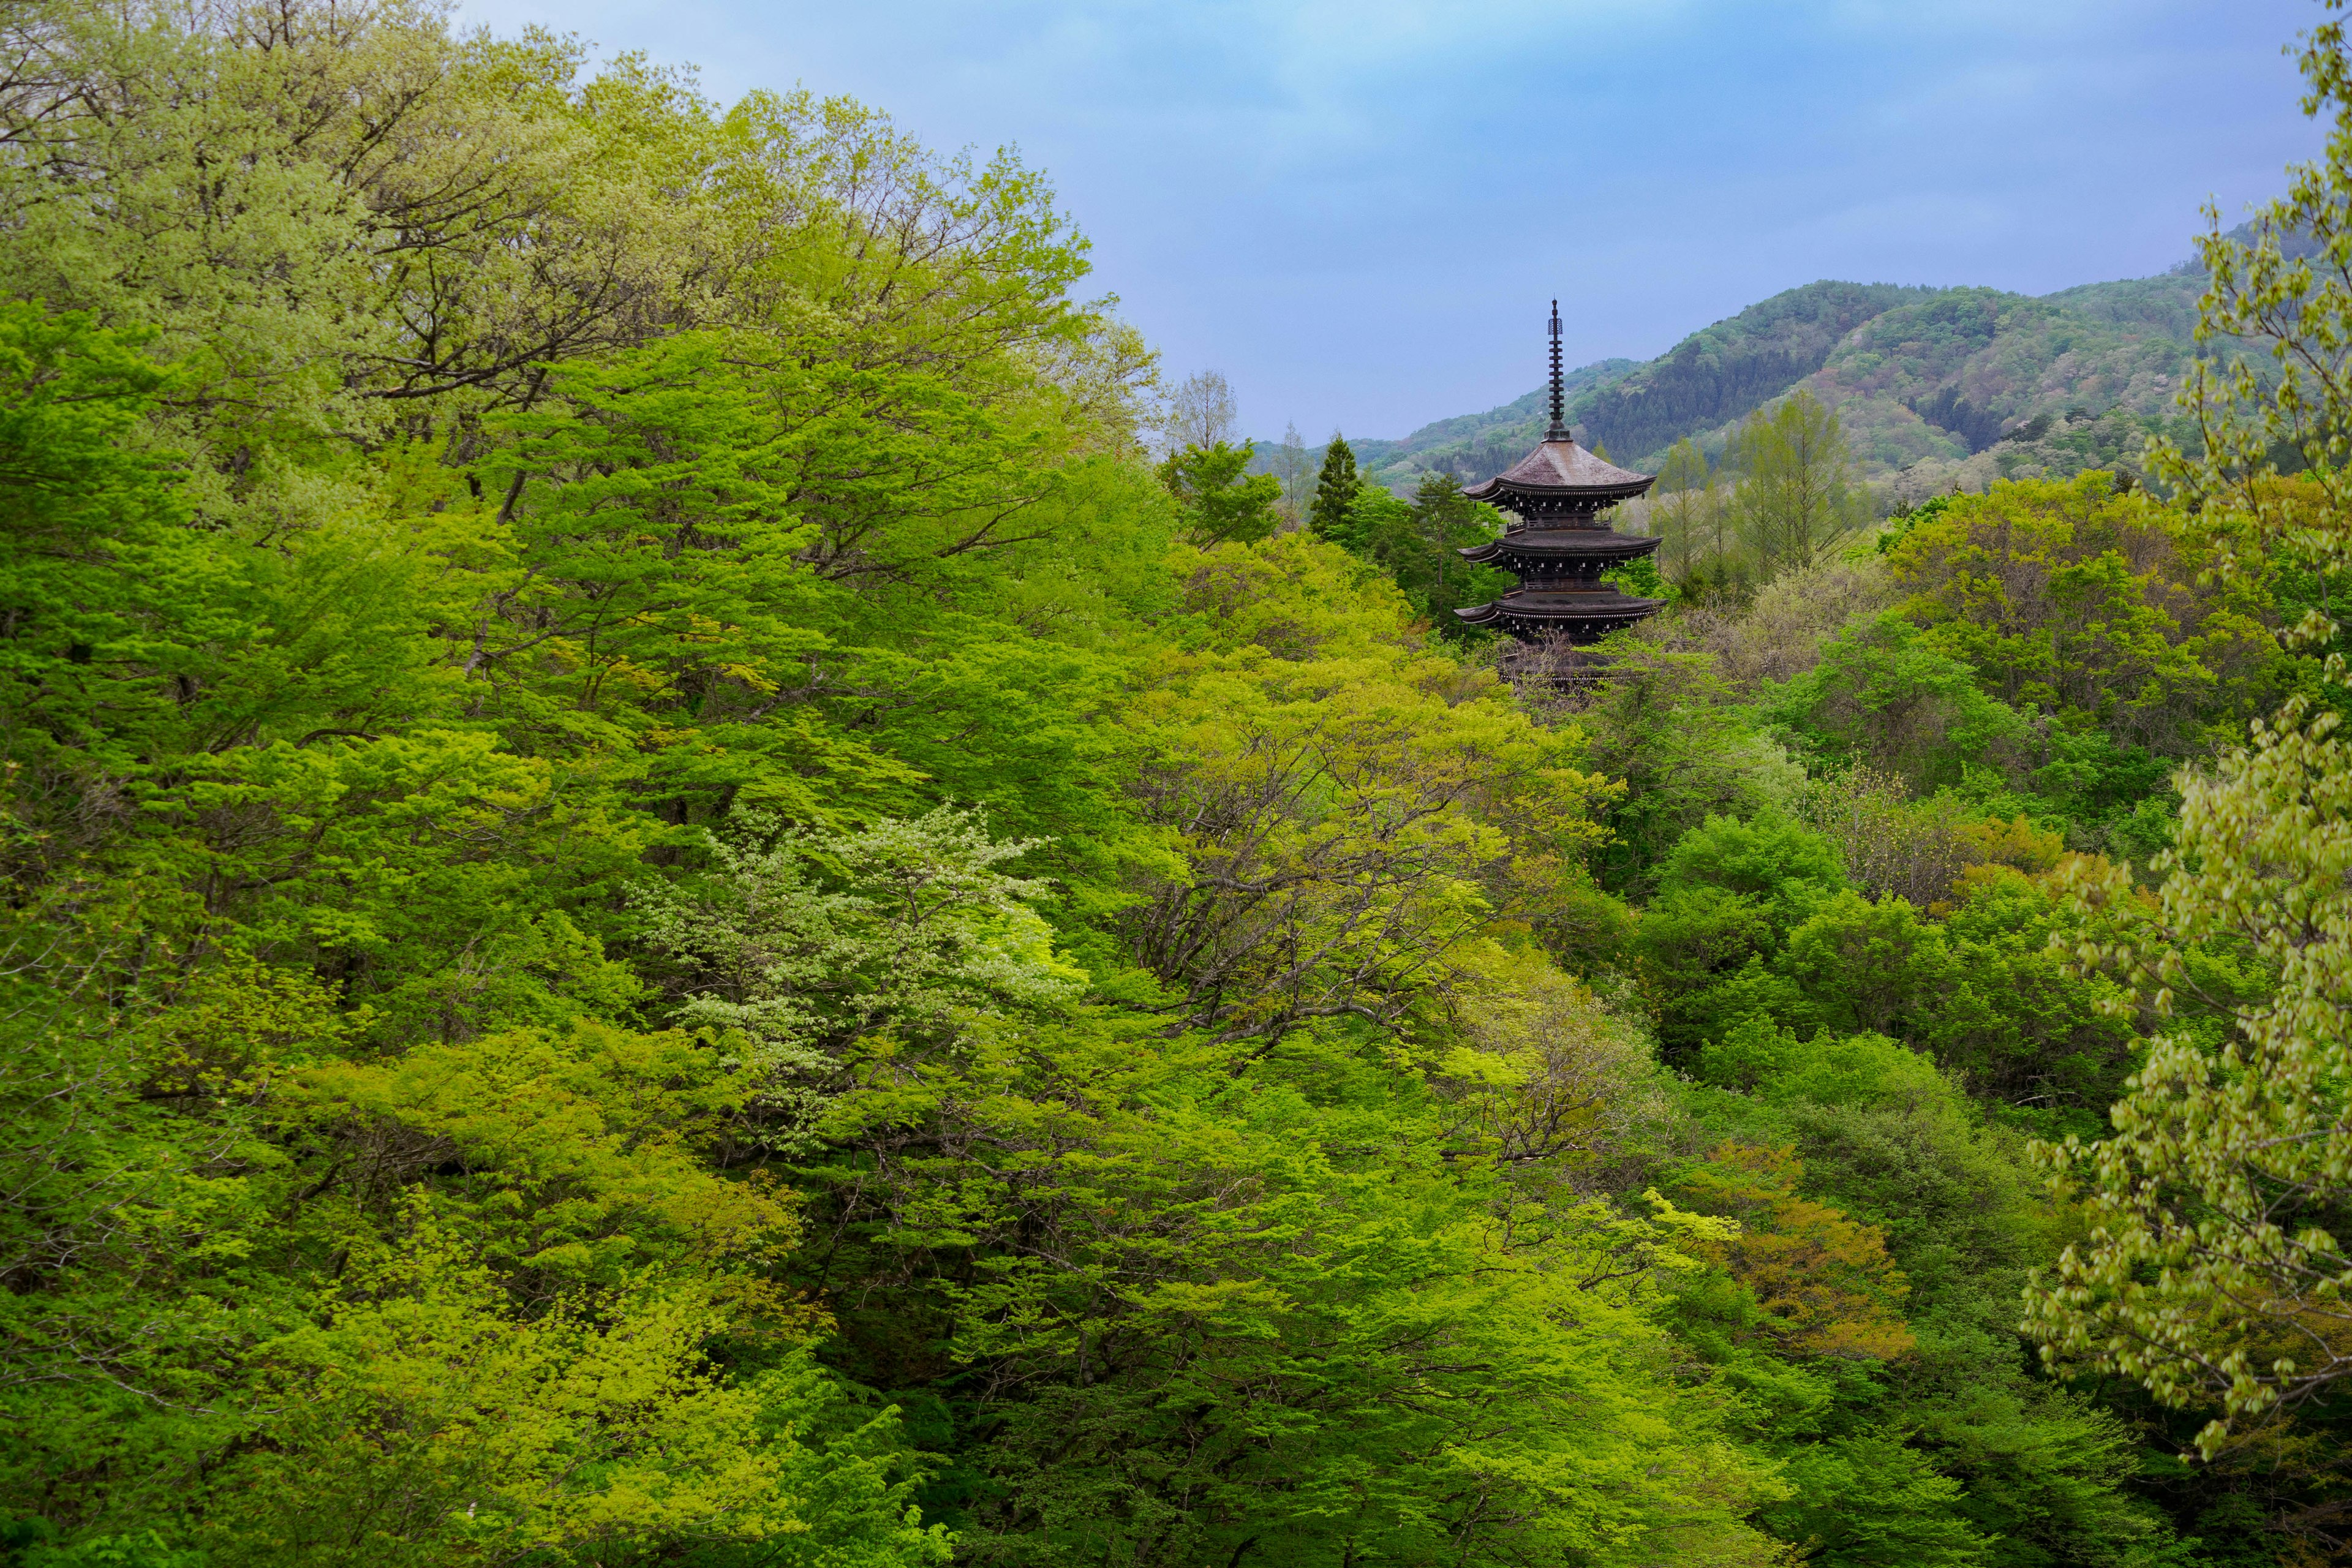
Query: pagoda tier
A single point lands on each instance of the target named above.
(1558, 548)
(1560, 483)
(1560, 592)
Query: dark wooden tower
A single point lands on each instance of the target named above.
(1558, 548)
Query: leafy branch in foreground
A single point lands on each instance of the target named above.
(2217, 1262)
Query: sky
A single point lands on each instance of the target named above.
(1360, 212)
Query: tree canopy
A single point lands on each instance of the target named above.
(668, 901)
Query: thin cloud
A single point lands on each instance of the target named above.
(1348, 206)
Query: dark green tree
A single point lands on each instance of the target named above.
(1336, 488)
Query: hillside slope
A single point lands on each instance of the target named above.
(1484, 443)
(1923, 378)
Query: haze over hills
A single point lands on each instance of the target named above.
(1927, 383)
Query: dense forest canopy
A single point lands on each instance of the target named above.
(679, 891)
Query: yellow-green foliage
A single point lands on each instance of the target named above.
(2070, 597)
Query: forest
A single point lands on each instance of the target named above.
(678, 893)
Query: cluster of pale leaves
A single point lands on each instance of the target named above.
(2217, 1261)
(2213, 1271)
(806, 951)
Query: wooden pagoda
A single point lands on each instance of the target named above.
(1558, 548)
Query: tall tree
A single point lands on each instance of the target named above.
(1796, 491)
(1681, 500)
(1201, 412)
(1290, 468)
(1222, 500)
(1336, 488)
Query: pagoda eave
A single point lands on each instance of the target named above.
(1503, 493)
(1580, 624)
(1560, 547)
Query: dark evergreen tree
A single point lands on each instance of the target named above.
(1336, 488)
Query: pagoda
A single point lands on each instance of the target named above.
(1558, 548)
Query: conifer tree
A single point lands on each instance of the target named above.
(1336, 488)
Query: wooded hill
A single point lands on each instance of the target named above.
(1916, 374)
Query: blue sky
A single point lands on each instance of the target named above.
(1360, 211)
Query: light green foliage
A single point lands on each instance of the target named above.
(664, 906)
(1354, 808)
(1797, 495)
(1219, 501)
(319, 812)
(307, 1342)
(1690, 513)
(359, 1213)
(923, 940)
(2075, 600)
(2222, 1179)
(2213, 1272)
(237, 184)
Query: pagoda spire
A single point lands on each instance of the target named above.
(1558, 431)
(1560, 547)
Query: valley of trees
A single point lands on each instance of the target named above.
(691, 881)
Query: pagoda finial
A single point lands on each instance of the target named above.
(1558, 431)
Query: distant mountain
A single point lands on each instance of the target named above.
(1921, 377)
(1484, 443)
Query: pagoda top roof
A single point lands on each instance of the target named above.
(1560, 468)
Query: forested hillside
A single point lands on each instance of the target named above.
(667, 904)
(1921, 378)
(1478, 445)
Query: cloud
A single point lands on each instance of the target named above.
(1347, 206)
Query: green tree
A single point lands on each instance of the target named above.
(1663, 725)
(2076, 599)
(1290, 468)
(1336, 488)
(1219, 497)
(1419, 544)
(1882, 696)
(662, 906)
(1797, 492)
(1684, 505)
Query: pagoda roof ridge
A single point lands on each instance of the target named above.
(1560, 467)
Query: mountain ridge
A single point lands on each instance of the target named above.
(1927, 381)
